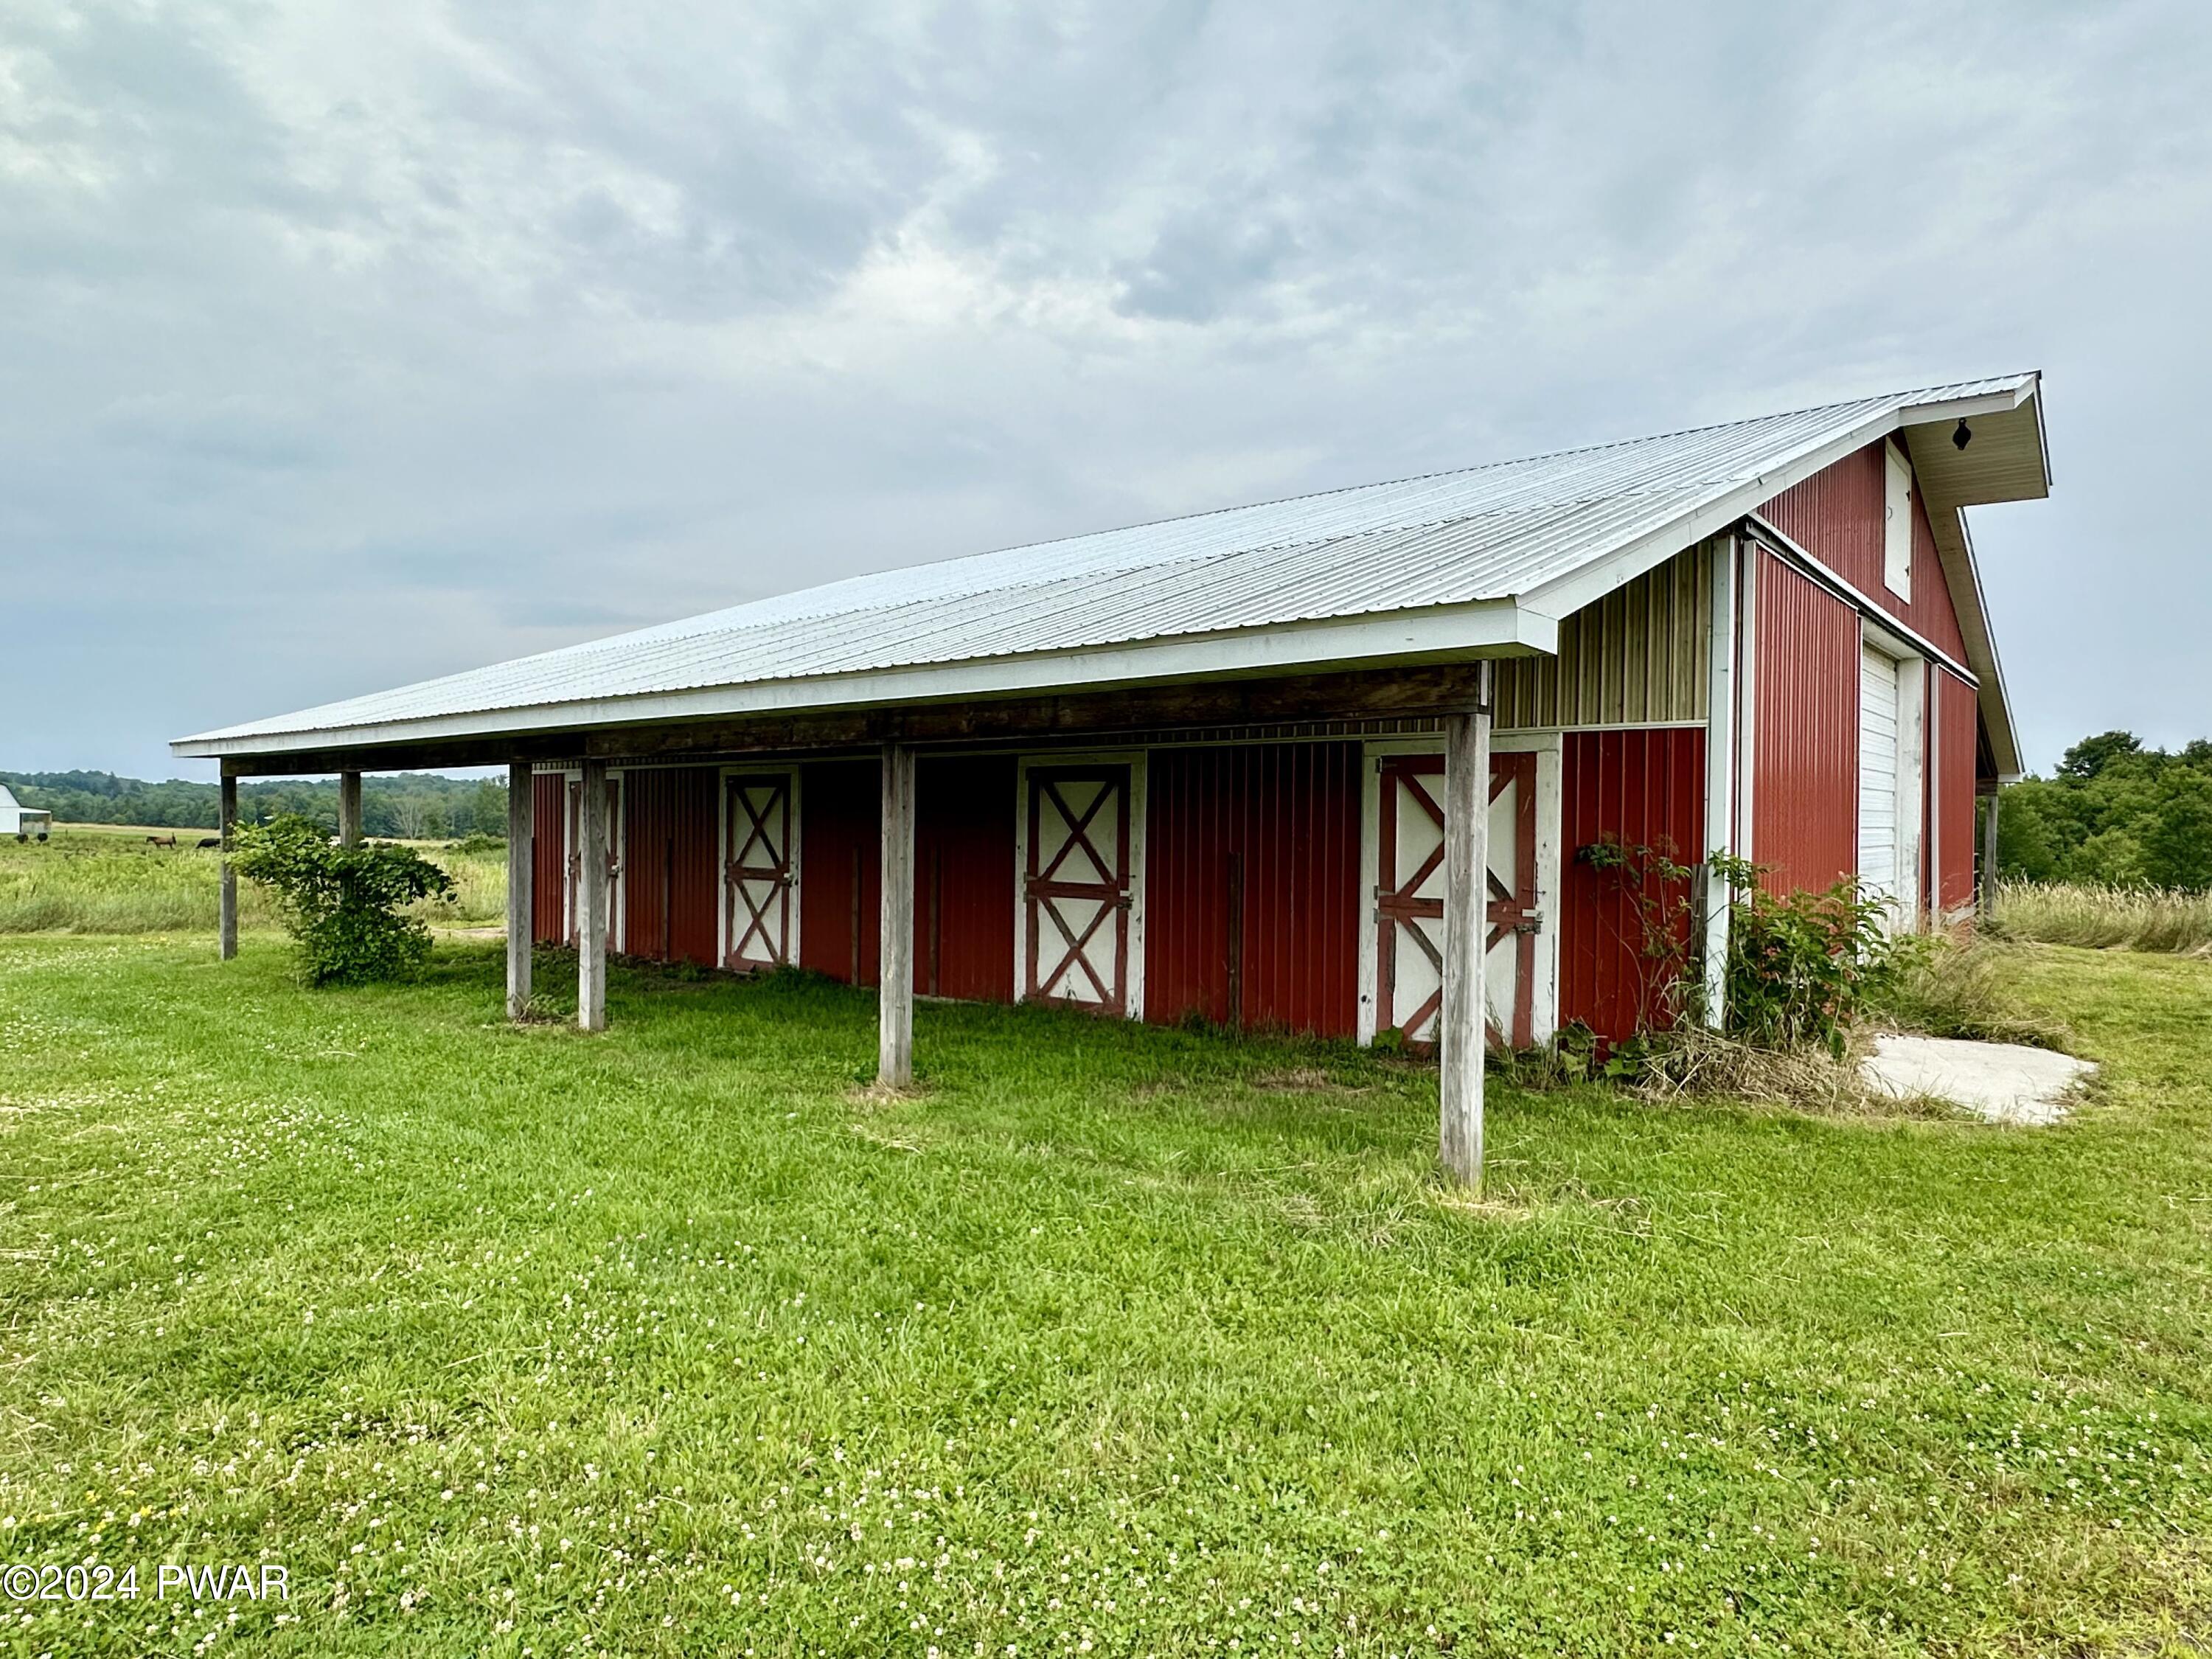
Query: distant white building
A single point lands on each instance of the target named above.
(22, 822)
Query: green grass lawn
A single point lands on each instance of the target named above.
(1114, 1340)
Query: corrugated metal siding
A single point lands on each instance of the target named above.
(1956, 727)
(1488, 532)
(549, 858)
(1271, 832)
(671, 869)
(1805, 775)
(1640, 789)
(1837, 516)
(841, 869)
(1636, 657)
(963, 902)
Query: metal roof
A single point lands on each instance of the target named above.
(1527, 533)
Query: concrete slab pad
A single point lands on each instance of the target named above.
(2004, 1082)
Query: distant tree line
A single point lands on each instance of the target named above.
(408, 806)
(2113, 812)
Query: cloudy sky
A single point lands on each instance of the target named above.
(344, 345)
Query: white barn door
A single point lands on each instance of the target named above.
(1880, 809)
(1409, 839)
(760, 870)
(1078, 875)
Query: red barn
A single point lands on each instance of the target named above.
(1225, 766)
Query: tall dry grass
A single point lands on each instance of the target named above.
(98, 881)
(2103, 918)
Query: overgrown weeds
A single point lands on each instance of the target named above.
(1952, 987)
(105, 881)
(2097, 916)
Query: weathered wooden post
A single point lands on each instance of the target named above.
(1460, 1021)
(1988, 896)
(591, 897)
(349, 809)
(226, 905)
(521, 828)
(1719, 777)
(894, 995)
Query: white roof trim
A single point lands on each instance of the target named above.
(1444, 634)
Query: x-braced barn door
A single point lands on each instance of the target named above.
(574, 831)
(1076, 886)
(757, 873)
(1409, 897)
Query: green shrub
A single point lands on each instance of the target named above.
(1804, 969)
(342, 905)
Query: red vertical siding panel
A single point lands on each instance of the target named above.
(964, 877)
(1806, 732)
(1838, 515)
(549, 858)
(1956, 726)
(1289, 814)
(672, 871)
(840, 810)
(1637, 788)
(963, 874)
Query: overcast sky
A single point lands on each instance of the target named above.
(343, 345)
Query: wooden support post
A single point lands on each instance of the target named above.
(520, 872)
(591, 897)
(349, 809)
(1459, 1026)
(1987, 895)
(1719, 777)
(225, 904)
(894, 967)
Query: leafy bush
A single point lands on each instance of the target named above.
(1802, 970)
(342, 905)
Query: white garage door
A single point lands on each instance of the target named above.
(1878, 773)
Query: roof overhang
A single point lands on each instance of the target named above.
(2006, 458)
(1440, 634)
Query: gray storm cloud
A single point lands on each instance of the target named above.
(347, 345)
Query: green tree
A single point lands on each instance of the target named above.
(2089, 757)
(2177, 843)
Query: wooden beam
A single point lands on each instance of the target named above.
(350, 809)
(1720, 775)
(895, 978)
(1459, 1027)
(520, 872)
(225, 904)
(1412, 692)
(592, 894)
(1988, 894)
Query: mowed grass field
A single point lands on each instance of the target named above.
(1116, 1340)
